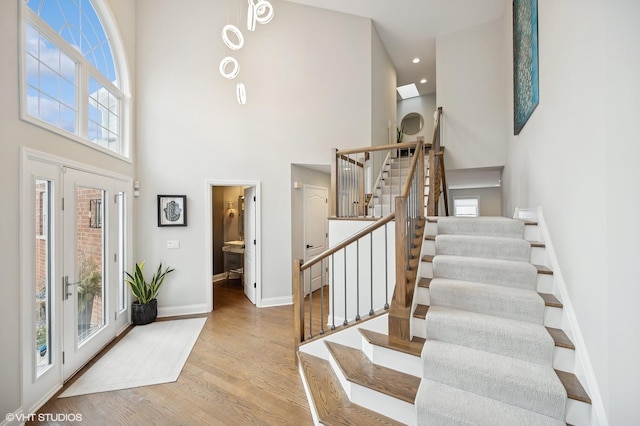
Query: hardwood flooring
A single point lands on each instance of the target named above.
(241, 371)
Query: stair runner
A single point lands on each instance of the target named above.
(392, 178)
(488, 357)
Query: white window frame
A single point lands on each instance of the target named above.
(84, 69)
(477, 200)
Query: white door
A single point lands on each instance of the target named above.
(66, 213)
(316, 211)
(250, 280)
(90, 282)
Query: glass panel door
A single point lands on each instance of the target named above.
(87, 295)
(90, 244)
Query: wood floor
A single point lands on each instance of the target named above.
(241, 372)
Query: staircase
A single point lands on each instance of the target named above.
(488, 345)
(390, 184)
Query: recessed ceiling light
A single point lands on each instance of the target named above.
(416, 60)
(408, 91)
(423, 81)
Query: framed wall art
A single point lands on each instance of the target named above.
(172, 210)
(525, 61)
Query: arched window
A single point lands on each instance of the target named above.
(72, 82)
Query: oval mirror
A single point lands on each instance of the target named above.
(412, 123)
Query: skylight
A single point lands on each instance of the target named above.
(408, 91)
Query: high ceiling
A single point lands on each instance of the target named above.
(408, 28)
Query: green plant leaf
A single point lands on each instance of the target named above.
(145, 291)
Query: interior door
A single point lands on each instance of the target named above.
(90, 303)
(250, 243)
(316, 211)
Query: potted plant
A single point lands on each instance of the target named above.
(145, 309)
(89, 287)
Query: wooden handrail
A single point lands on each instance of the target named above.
(414, 161)
(435, 143)
(403, 145)
(377, 224)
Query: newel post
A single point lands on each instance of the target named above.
(399, 312)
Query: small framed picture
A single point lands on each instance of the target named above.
(172, 210)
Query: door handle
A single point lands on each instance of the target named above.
(309, 246)
(67, 284)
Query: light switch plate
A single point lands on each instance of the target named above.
(173, 244)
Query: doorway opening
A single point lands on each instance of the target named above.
(234, 237)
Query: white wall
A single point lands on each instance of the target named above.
(576, 158)
(383, 93)
(16, 134)
(308, 90)
(471, 90)
(425, 106)
(623, 204)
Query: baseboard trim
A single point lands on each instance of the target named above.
(15, 418)
(584, 368)
(275, 301)
(219, 277)
(172, 311)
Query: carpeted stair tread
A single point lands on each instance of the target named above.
(484, 247)
(421, 311)
(505, 302)
(573, 386)
(524, 384)
(502, 336)
(413, 347)
(560, 338)
(550, 300)
(357, 368)
(439, 404)
(487, 225)
(331, 402)
(505, 273)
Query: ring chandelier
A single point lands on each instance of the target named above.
(259, 11)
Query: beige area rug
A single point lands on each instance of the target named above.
(148, 355)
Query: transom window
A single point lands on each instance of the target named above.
(71, 81)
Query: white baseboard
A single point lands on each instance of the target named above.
(219, 277)
(583, 368)
(275, 301)
(173, 311)
(15, 418)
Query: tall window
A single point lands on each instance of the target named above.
(71, 79)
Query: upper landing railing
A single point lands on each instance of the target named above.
(359, 272)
